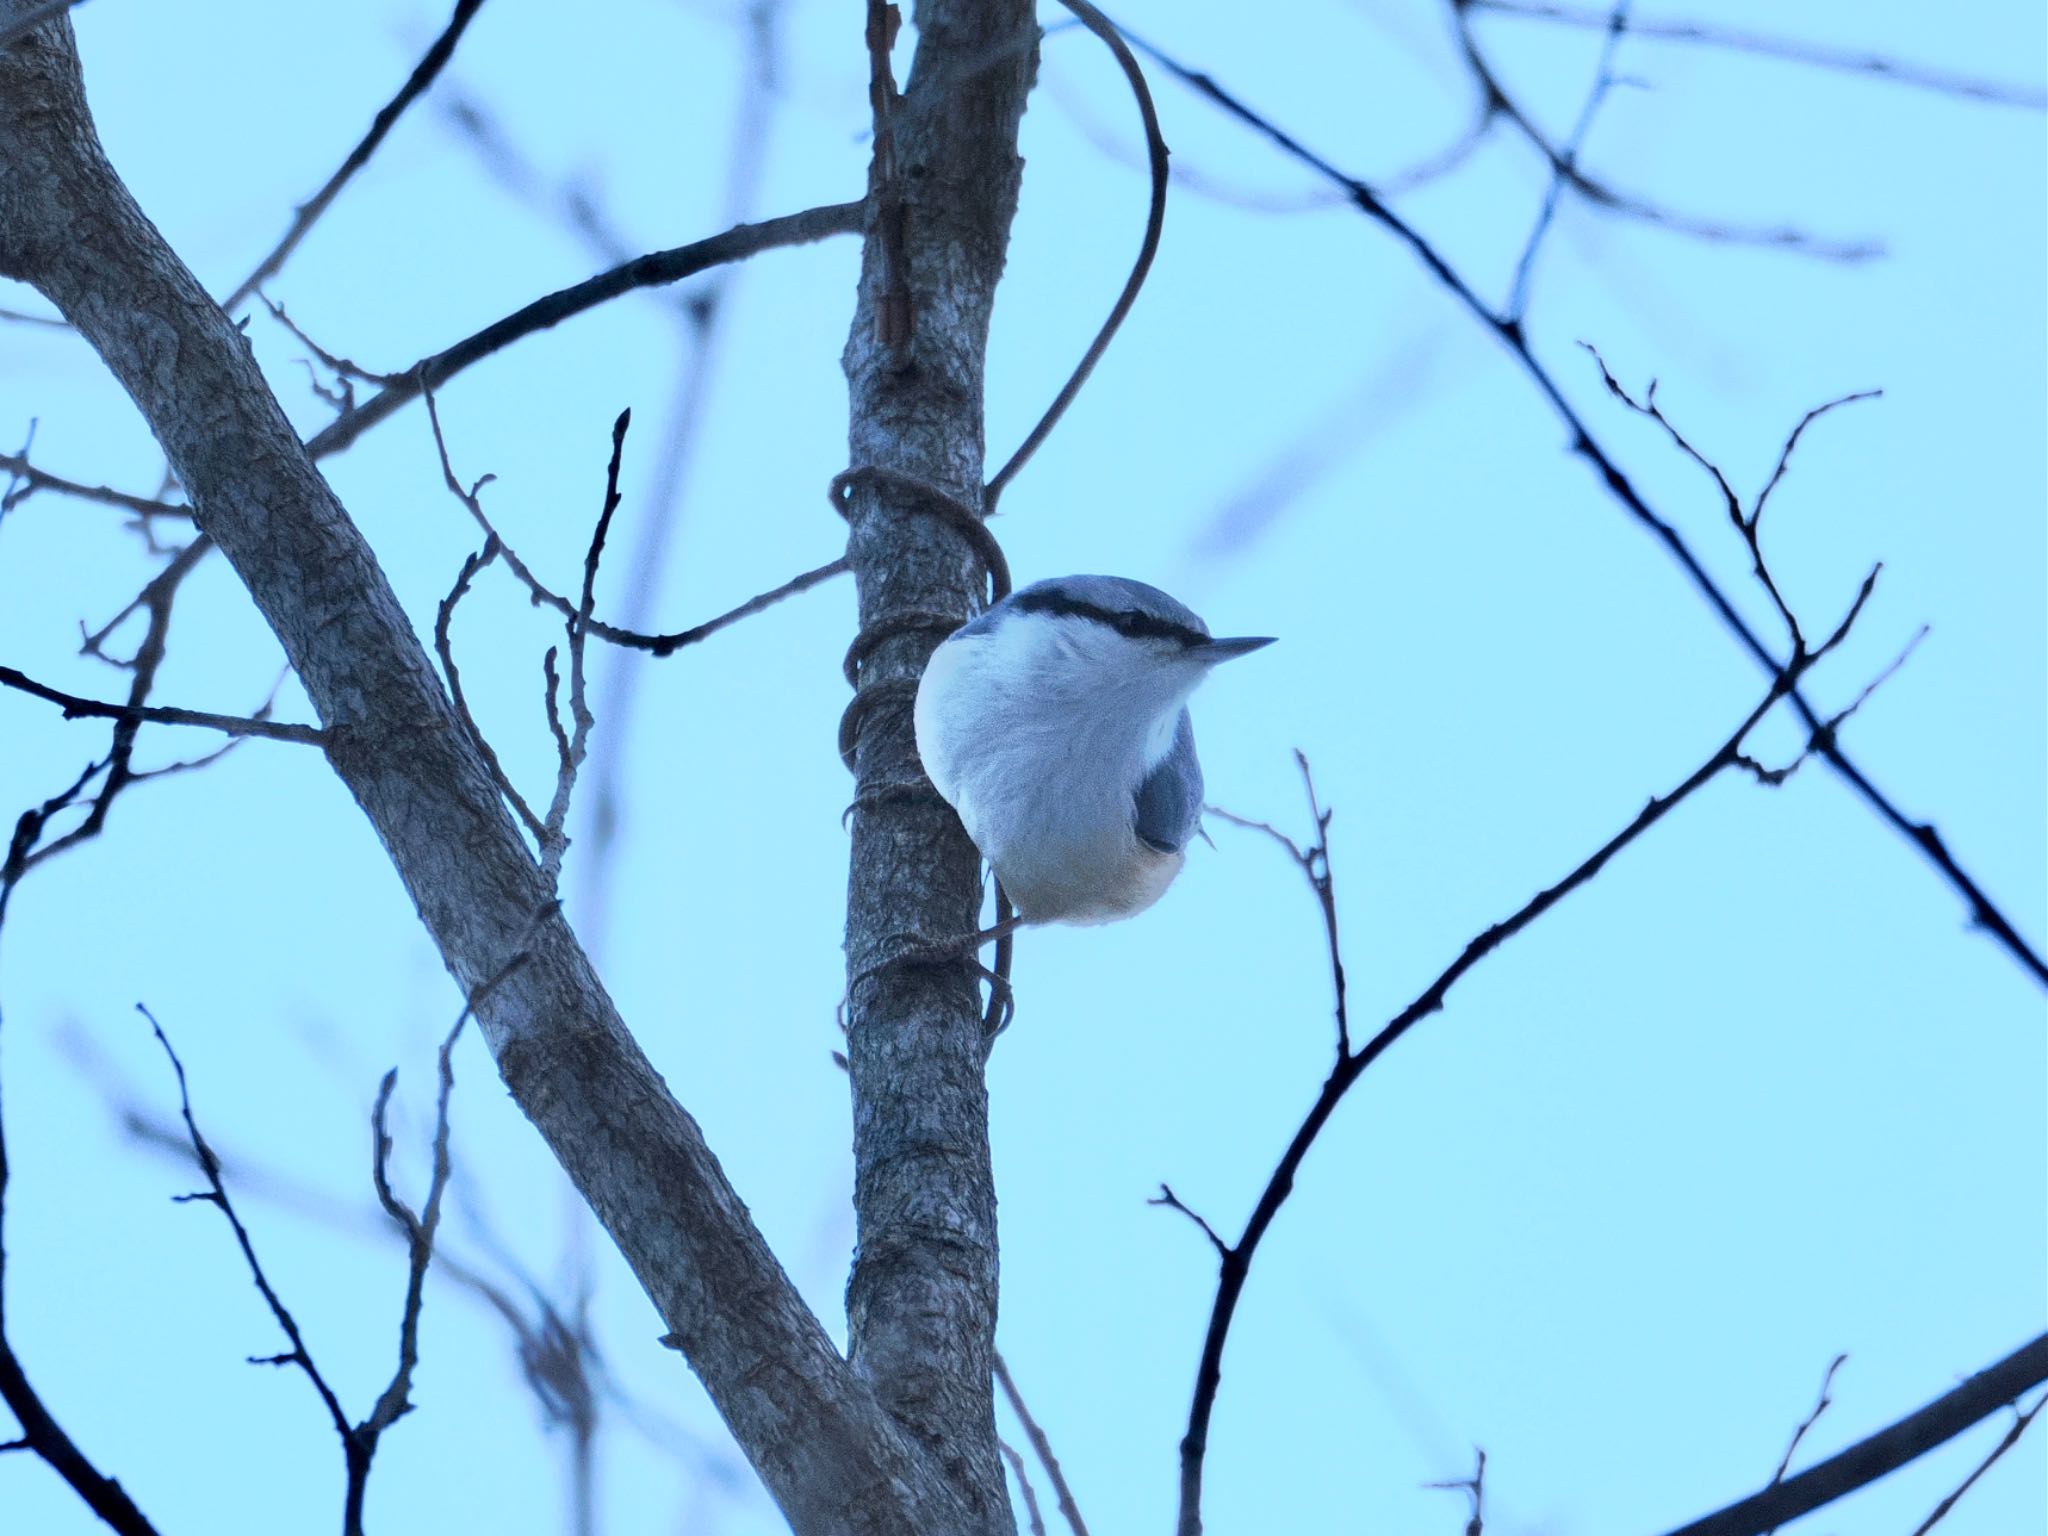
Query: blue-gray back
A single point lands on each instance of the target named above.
(1169, 801)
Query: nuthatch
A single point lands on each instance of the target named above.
(1056, 724)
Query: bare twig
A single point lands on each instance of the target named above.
(22, 848)
(574, 746)
(1747, 523)
(1148, 247)
(1474, 1488)
(76, 708)
(395, 1401)
(1794, 50)
(612, 634)
(1821, 1406)
(1042, 1447)
(216, 1194)
(2020, 1421)
(659, 268)
(1034, 1522)
(1236, 1258)
(1168, 1200)
(28, 480)
(1603, 195)
(1566, 162)
(444, 647)
(1315, 866)
(40, 1431)
(154, 600)
(347, 372)
(651, 271)
(42, 322)
(309, 212)
(1886, 1451)
(1983, 910)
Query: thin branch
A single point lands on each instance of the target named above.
(1042, 1447)
(2020, 1421)
(1747, 523)
(29, 480)
(612, 634)
(216, 1195)
(1983, 910)
(1765, 45)
(1602, 195)
(22, 849)
(1034, 1522)
(43, 322)
(651, 271)
(444, 647)
(575, 746)
(1315, 867)
(309, 212)
(1886, 1451)
(76, 708)
(1792, 441)
(1474, 1488)
(656, 269)
(1821, 1406)
(1567, 161)
(1237, 1257)
(1148, 247)
(1168, 1200)
(155, 600)
(395, 1401)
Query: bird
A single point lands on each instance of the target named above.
(1056, 725)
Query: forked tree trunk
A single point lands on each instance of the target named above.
(828, 1438)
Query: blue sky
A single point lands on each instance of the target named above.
(1755, 1097)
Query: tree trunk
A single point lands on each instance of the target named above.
(921, 1305)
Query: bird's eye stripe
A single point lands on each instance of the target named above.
(1126, 622)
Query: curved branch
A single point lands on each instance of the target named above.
(1148, 247)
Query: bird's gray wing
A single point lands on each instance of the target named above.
(1169, 801)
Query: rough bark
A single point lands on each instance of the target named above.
(831, 1458)
(921, 1303)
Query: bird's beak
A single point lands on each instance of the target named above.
(1225, 650)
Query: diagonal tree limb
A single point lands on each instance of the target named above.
(650, 271)
(1235, 1258)
(808, 1422)
(1884, 1452)
(1984, 912)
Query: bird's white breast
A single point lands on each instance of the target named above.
(1042, 761)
